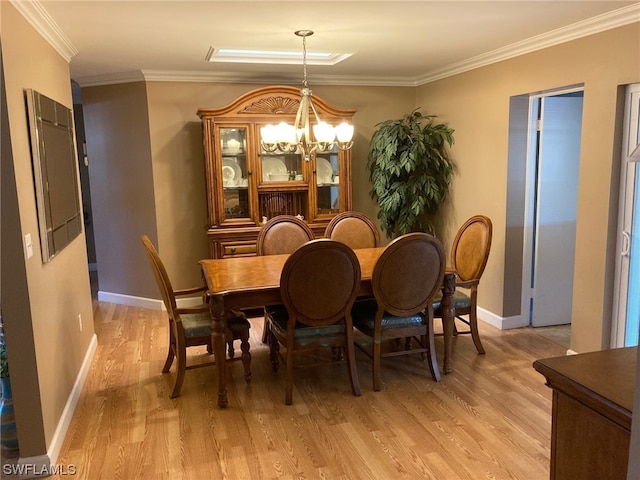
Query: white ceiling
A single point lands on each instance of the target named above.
(392, 42)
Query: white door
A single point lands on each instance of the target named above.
(554, 207)
(626, 313)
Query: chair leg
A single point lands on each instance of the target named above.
(266, 330)
(351, 364)
(473, 324)
(429, 339)
(181, 364)
(230, 349)
(288, 383)
(246, 355)
(274, 352)
(377, 352)
(171, 353)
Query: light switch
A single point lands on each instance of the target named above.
(28, 246)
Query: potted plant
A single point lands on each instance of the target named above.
(410, 169)
(8, 435)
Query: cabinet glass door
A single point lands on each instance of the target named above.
(283, 186)
(328, 182)
(234, 172)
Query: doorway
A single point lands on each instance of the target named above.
(626, 311)
(553, 163)
(83, 169)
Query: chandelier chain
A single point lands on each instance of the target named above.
(304, 61)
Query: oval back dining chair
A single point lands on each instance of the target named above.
(319, 284)
(469, 255)
(405, 279)
(191, 326)
(281, 234)
(353, 228)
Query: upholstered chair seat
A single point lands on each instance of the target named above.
(319, 284)
(469, 255)
(404, 281)
(189, 327)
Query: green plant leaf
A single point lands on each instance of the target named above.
(410, 170)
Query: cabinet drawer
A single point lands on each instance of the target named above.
(238, 248)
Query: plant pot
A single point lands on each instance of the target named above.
(8, 433)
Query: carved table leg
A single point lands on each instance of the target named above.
(218, 326)
(448, 318)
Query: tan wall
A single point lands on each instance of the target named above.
(476, 104)
(122, 190)
(41, 308)
(165, 178)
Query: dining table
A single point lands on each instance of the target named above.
(244, 282)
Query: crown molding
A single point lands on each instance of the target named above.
(597, 24)
(39, 19)
(222, 77)
(110, 79)
(37, 16)
(274, 78)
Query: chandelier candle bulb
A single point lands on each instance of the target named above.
(324, 132)
(344, 132)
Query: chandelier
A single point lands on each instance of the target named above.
(287, 138)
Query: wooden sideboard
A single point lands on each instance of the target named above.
(593, 397)
(247, 185)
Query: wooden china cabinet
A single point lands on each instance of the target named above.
(247, 185)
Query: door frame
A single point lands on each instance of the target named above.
(630, 154)
(530, 200)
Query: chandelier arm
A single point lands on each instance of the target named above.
(302, 117)
(313, 108)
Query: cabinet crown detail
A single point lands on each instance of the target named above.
(273, 105)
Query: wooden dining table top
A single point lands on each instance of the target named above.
(230, 277)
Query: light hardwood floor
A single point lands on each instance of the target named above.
(491, 418)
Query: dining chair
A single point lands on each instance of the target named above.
(469, 255)
(353, 228)
(405, 278)
(191, 326)
(319, 284)
(281, 234)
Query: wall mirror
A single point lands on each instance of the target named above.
(55, 172)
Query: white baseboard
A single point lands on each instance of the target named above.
(72, 401)
(502, 323)
(130, 300)
(45, 465)
(142, 302)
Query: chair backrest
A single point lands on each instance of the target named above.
(160, 274)
(408, 274)
(353, 228)
(470, 248)
(283, 234)
(319, 282)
